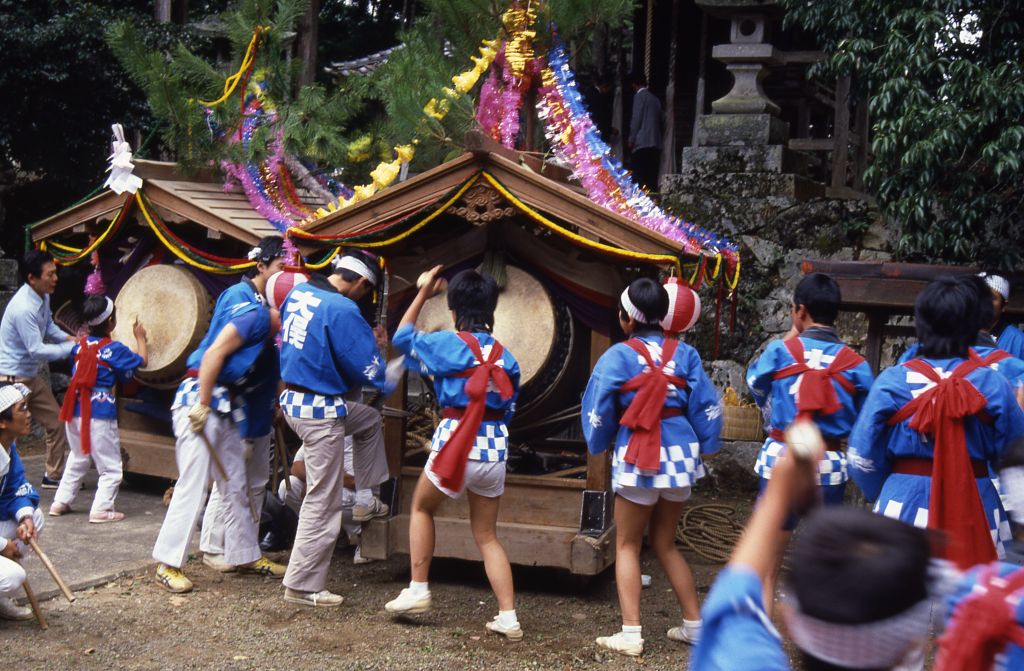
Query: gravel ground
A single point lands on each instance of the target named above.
(242, 622)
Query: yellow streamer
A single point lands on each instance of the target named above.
(301, 234)
(232, 82)
(232, 270)
(325, 262)
(735, 277)
(86, 251)
(661, 259)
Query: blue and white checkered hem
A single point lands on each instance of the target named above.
(312, 406)
(220, 402)
(681, 466)
(491, 440)
(998, 524)
(832, 469)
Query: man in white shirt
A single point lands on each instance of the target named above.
(28, 338)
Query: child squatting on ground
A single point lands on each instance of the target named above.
(476, 381)
(90, 410)
(20, 518)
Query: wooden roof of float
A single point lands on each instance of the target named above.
(539, 186)
(876, 286)
(199, 198)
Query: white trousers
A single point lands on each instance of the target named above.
(12, 575)
(257, 474)
(106, 454)
(195, 469)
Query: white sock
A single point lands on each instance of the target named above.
(419, 588)
(632, 633)
(693, 627)
(507, 618)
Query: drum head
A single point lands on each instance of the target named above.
(175, 309)
(524, 321)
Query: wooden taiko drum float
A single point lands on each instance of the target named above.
(175, 309)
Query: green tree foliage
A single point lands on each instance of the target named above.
(947, 107)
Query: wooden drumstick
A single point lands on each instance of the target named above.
(34, 602)
(282, 454)
(52, 570)
(214, 456)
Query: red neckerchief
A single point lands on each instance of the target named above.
(87, 363)
(643, 416)
(816, 395)
(983, 624)
(940, 412)
(450, 463)
(994, 357)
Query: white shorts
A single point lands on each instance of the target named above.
(648, 496)
(483, 478)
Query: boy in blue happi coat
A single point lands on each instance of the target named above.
(649, 399)
(476, 380)
(20, 517)
(930, 428)
(90, 410)
(207, 412)
(810, 374)
(1007, 335)
(327, 348)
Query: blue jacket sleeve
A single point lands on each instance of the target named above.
(17, 493)
(599, 410)
(354, 348)
(910, 353)
(759, 375)
(1007, 416)
(862, 379)
(704, 407)
(123, 362)
(868, 454)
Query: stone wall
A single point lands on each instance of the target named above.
(779, 219)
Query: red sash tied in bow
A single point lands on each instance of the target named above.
(87, 363)
(643, 416)
(983, 623)
(450, 463)
(816, 393)
(940, 412)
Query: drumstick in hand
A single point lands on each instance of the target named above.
(52, 570)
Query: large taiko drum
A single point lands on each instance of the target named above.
(175, 309)
(539, 331)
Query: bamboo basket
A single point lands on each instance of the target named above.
(742, 423)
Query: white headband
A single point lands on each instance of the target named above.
(879, 644)
(998, 284)
(356, 266)
(631, 310)
(11, 394)
(103, 316)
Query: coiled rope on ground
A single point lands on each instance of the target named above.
(711, 530)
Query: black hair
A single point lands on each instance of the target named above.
(271, 247)
(93, 307)
(33, 263)
(638, 78)
(371, 260)
(820, 294)
(7, 414)
(851, 566)
(648, 297)
(986, 311)
(946, 318)
(473, 296)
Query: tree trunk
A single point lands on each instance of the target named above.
(307, 43)
(668, 140)
(162, 11)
